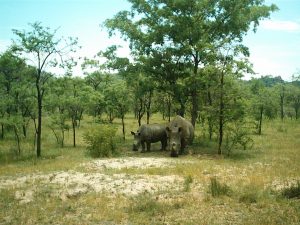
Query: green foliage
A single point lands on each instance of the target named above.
(292, 192)
(238, 134)
(218, 189)
(187, 183)
(101, 141)
(270, 81)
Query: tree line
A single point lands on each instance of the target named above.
(187, 58)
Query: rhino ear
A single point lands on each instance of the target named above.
(132, 133)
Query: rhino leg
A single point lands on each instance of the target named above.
(183, 144)
(148, 146)
(163, 145)
(173, 153)
(143, 146)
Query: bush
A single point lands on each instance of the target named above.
(218, 189)
(101, 141)
(238, 134)
(187, 183)
(293, 191)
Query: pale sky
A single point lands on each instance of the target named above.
(274, 48)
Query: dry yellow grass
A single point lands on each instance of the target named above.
(255, 178)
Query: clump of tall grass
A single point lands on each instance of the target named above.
(187, 183)
(146, 204)
(292, 192)
(218, 189)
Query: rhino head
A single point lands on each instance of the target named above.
(136, 140)
(174, 137)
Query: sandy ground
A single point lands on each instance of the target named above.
(106, 176)
(135, 163)
(66, 184)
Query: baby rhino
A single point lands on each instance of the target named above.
(149, 133)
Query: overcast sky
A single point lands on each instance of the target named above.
(274, 48)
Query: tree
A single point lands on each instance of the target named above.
(118, 96)
(280, 90)
(293, 97)
(55, 104)
(270, 81)
(77, 101)
(186, 33)
(262, 103)
(40, 46)
(11, 68)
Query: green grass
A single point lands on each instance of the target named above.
(218, 189)
(250, 176)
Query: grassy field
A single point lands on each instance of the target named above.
(243, 188)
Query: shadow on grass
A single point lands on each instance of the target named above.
(209, 148)
(201, 148)
(9, 157)
(240, 155)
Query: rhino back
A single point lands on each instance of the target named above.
(153, 132)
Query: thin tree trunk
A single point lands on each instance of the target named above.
(221, 113)
(24, 130)
(39, 125)
(149, 107)
(260, 120)
(35, 128)
(74, 132)
(182, 109)
(169, 105)
(63, 138)
(210, 120)
(123, 127)
(2, 131)
(141, 111)
(194, 107)
(18, 140)
(194, 93)
(281, 106)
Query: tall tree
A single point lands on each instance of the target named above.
(189, 31)
(11, 68)
(118, 96)
(280, 90)
(293, 97)
(263, 104)
(41, 47)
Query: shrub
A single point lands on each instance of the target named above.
(238, 134)
(187, 183)
(293, 191)
(218, 189)
(101, 141)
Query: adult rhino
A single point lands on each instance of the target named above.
(149, 133)
(180, 133)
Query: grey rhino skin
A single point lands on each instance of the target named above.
(180, 133)
(149, 133)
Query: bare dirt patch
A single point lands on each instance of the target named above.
(66, 184)
(134, 162)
